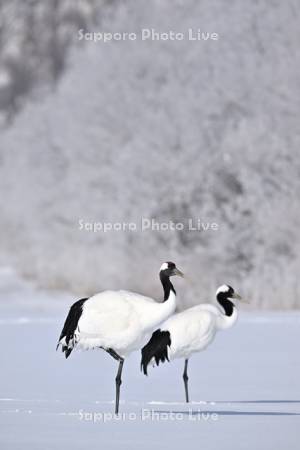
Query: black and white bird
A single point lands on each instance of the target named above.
(118, 322)
(191, 331)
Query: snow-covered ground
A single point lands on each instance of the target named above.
(245, 391)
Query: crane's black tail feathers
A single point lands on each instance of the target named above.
(156, 348)
(69, 328)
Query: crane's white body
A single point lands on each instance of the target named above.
(119, 320)
(190, 331)
(194, 329)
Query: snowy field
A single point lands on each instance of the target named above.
(245, 391)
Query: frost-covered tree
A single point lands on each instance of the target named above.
(164, 130)
(34, 40)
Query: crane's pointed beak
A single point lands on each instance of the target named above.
(178, 273)
(237, 296)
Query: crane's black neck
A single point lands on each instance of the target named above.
(227, 304)
(167, 285)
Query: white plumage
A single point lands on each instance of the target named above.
(191, 331)
(194, 329)
(119, 322)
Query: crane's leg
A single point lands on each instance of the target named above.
(118, 384)
(186, 380)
